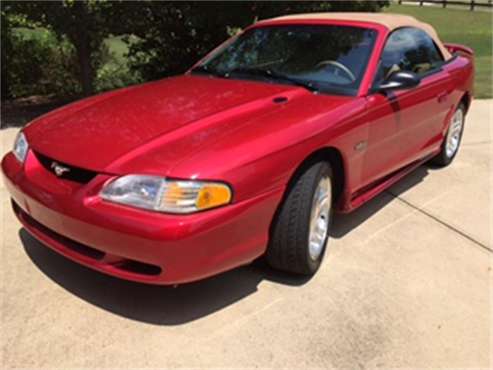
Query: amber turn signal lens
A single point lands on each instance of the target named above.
(213, 195)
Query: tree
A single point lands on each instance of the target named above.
(174, 35)
(84, 23)
(165, 38)
(6, 38)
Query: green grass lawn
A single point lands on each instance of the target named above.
(117, 47)
(473, 29)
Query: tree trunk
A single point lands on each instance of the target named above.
(86, 74)
(82, 42)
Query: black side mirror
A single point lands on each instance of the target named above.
(400, 80)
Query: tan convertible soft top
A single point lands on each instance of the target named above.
(388, 20)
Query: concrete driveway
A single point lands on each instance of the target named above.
(406, 284)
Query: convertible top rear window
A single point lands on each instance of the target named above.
(328, 58)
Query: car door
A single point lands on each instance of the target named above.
(405, 125)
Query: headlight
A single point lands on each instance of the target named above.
(169, 196)
(20, 147)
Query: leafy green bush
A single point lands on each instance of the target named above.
(115, 75)
(37, 63)
(113, 71)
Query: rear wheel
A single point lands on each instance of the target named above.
(301, 228)
(452, 140)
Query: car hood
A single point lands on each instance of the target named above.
(95, 132)
(178, 115)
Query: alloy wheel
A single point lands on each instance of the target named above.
(320, 218)
(454, 133)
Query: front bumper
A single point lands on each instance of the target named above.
(130, 243)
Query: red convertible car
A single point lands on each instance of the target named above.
(248, 153)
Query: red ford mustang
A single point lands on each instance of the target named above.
(246, 154)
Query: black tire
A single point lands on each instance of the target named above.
(442, 159)
(288, 248)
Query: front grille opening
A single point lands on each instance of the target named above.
(68, 243)
(140, 268)
(76, 174)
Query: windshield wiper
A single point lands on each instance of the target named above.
(270, 74)
(206, 70)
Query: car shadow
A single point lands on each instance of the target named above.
(160, 305)
(164, 305)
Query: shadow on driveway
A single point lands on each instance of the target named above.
(163, 305)
(160, 305)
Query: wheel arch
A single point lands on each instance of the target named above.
(466, 100)
(334, 157)
(329, 154)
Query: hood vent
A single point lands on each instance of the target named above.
(280, 99)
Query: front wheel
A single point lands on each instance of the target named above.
(301, 228)
(452, 140)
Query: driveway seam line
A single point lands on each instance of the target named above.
(435, 218)
(477, 143)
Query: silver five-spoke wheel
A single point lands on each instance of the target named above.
(451, 141)
(454, 133)
(319, 218)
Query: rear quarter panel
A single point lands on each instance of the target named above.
(461, 69)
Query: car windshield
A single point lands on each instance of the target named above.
(330, 59)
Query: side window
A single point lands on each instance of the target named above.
(408, 49)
